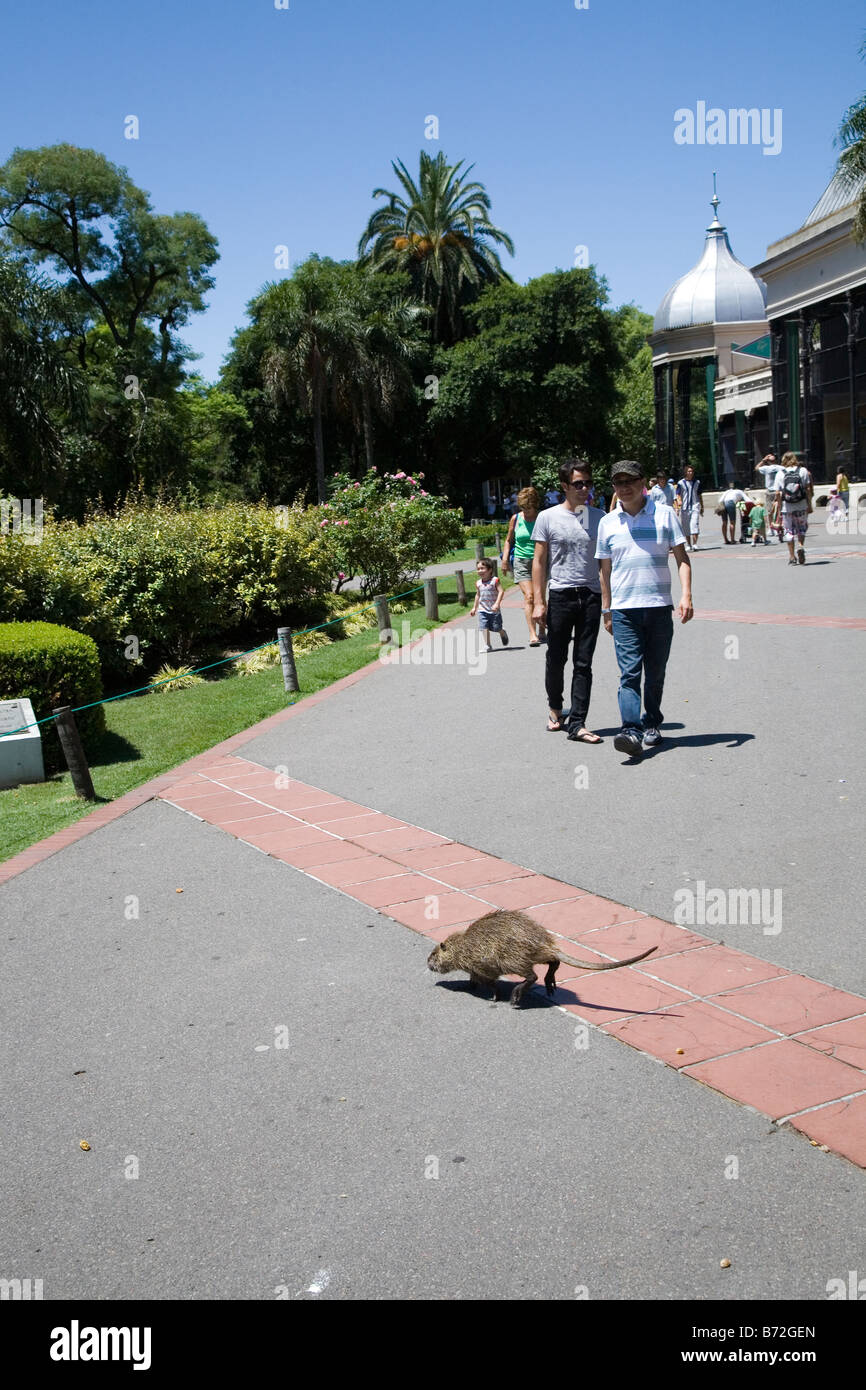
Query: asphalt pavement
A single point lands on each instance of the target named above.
(279, 1098)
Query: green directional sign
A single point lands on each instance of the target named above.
(758, 347)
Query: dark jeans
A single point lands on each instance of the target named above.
(571, 613)
(642, 640)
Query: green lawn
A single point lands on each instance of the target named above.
(468, 553)
(150, 734)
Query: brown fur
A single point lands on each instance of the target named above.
(509, 943)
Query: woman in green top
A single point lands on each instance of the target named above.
(842, 486)
(519, 533)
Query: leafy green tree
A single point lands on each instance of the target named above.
(274, 458)
(441, 234)
(333, 343)
(124, 265)
(214, 421)
(632, 420)
(311, 324)
(36, 381)
(851, 138)
(538, 379)
(389, 344)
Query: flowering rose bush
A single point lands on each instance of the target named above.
(386, 528)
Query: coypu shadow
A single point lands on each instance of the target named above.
(536, 999)
(531, 1000)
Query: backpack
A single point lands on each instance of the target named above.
(793, 488)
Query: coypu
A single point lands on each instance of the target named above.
(509, 943)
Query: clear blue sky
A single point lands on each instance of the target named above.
(276, 125)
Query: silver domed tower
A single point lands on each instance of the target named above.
(703, 325)
(719, 289)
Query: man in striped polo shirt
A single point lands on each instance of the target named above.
(633, 548)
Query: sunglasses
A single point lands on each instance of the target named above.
(579, 483)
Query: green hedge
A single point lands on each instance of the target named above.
(486, 531)
(174, 578)
(50, 666)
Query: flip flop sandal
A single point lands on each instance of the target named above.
(555, 728)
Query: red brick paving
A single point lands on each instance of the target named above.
(841, 1127)
(762, 1035)
(725, 615)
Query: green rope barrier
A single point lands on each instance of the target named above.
(154, 685)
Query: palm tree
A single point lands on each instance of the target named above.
(440, 233)
(312, 325)
(852, 160)
(388, 345)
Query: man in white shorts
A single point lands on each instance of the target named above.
(691, 505)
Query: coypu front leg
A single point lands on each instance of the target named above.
(479, 980)
(520, 989)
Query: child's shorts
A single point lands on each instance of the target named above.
(489, 622)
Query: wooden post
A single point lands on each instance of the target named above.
(479, 551)
(70, 741)
(461, 587)
(383, 615)
(431, 599)
(287, 657)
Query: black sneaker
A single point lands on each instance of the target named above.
(504, 635)
(628, 742)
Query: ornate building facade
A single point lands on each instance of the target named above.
(778, 351)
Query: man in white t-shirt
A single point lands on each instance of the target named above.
(565, 540)
(662, 490)
(769, 469)
(689, 503)
(794, 501)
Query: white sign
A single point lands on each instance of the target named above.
(12, 716)
(20, 753)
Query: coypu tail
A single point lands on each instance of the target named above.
(608, 965)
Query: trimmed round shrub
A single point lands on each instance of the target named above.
(50, 666)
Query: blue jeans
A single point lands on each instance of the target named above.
(642, 640)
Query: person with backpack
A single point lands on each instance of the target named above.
(794, 503)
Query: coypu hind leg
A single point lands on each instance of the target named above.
(550, 977)
(520, 989)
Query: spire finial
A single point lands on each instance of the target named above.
(715, 198)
